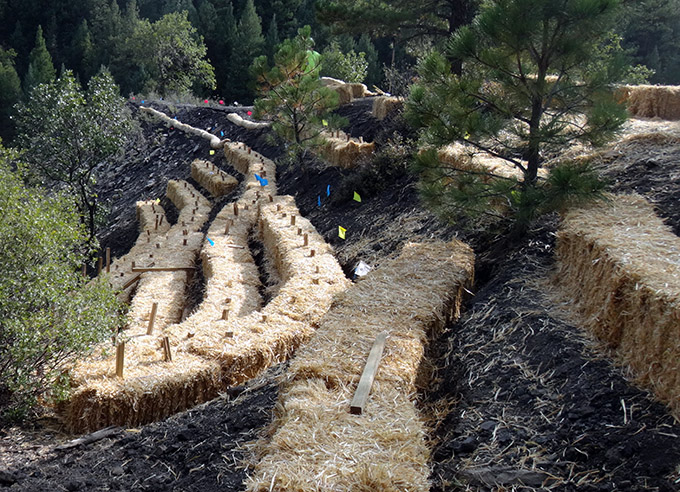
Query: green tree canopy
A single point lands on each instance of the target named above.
(532, 84)
(40, 67)
(291, 94)
(249, 43)
(69, 135)
(48, 314)
(10, 92)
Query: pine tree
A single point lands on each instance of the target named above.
(532, 85)
(40, 67)
(82, 58)
(248, 44)
(10, 92)
(272, 40)
(374, 70)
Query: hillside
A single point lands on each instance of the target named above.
(518, 395)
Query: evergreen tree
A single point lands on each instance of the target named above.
(40, 67)
(531, 86)
(248, 44)
(10, 92)
(82, 58)
(374, 70)
(272, 40)
(291, 94)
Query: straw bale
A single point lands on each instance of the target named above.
(619, 261)
(331, 82)
(150, 391)
(214, 140)
(317, 444)
(151, 216)
(250, 164)
(250, 125)
(358, 90)
(345, 152)
(384, 105)
(344, 92)
(467, 158)
(651, 101)
(213, 179)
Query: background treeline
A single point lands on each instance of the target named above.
(38, 38)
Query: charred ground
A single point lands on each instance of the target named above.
(519, 396)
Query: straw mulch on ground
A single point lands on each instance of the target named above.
(651, 101)
(619, 261)
(316, 443)
(467, 158)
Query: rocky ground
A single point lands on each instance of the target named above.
(521, 398)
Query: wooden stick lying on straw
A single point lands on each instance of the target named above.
(367, 377)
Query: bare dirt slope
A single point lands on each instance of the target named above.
(520, 397)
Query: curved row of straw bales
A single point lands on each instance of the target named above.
(213, 179)
(214, 140)
(317, 444)
(231, 337)
(236, 119)
(620, 262)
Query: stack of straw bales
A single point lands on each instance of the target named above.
(250, 125)
(620, 261)
(342, 151)
(213, 179)
(346, 91)
(317, 444)
(651, 101)
(215, 142)
(250, 163)
(467, 158)
(384, 105)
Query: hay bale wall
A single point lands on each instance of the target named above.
(213, 179)
(467, 158)
(384, 105)
(342, 151)
(620, 263)
(210, 352)
(318, 445)
(651, 101)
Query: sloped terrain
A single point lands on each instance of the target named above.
(520, 397)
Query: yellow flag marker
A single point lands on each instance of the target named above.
(357, 197)
(325, 123)
(341, 232)
(212, 152)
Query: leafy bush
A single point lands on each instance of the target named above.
(48, 313)
(351, 67)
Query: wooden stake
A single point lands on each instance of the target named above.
(317, 269)
(235, 209)
(156, 226)
(84, 270)
(226, 229)
(306, 239)
(315, 281)
(225, 314)
(299, 231)
(271, 198)
(167, 355)
(292, 220)
(312, 253)
(184, 242)
(278, 207)
(108, 260)
(152, 318)
(120, 359)
(99, 265)
(367, 377)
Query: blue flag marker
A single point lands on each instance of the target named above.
(210, 241)
(142, 102)
(221, 133)
(318, 200)
(264, 182)
(328, 190)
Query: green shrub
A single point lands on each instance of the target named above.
(48, 313)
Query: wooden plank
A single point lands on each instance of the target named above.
(152, 318)
(120, 359)
(367, 377)
(162, 269)
(90, 438)
(132, 281)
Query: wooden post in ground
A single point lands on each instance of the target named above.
(292, 220)
(306, 239)
(167, 355)
(108, 260)
(84, 271)
(100, 261)
(225, 314)
(367, 377)
(120, 359)
(152, 318)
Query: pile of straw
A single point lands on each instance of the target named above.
(346, 91)
(651, 101)
(250, 125)
(384, 105)
(620, 262)
(215, 141)
(467, 158)
(342, 151)
(213, 179)
(317, 445)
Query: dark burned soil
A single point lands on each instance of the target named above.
(520, 399)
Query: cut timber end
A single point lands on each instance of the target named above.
(225, 314)
(312, 253)
(367, 377)
(167, 355)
